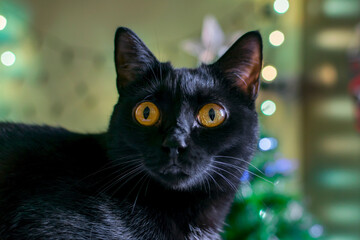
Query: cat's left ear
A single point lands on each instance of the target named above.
(242, 63)
(132, 57)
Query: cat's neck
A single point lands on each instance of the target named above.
(196, 210)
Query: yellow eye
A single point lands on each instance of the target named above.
(211, 115)
(147, 113)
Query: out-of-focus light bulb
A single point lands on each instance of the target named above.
(276, 38)
(316, 231)
(268, 107)
(267, 143)
(262, 213)
(281, 6)
(8, 58)
(269, 73)
(3, 22)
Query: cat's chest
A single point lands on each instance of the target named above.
(148, 223)
(197, 233)
(107, 220)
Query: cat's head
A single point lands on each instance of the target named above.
(185, 128)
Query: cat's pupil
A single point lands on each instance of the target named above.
(212, 114)
(146, 112)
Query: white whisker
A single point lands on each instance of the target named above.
(242, 160)
(212, 178)
(226, 180)
(244, 169)
(111, 183)
(137, 195)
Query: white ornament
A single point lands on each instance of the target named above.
(213, 42)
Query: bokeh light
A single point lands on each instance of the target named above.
(245, 176)
(326, 74)
(266, 144)
(269, 73)
(276, 38)
(281, 6)
(8, 58)
(316, 231)
(262, 213)
(295, 211)
(3, 22)
(268, 107)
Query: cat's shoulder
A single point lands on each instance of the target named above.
(17, 135)
(16, 139)
(14, 130)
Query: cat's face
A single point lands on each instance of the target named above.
(186, 127)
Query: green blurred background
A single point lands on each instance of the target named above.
(63, 74)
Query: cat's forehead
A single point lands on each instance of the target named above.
(190, 82)
(197, 77)
(178, 85)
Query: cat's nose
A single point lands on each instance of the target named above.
(175, 142)
(173, 145)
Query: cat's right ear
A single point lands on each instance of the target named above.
(132, 57)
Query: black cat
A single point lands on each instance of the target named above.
(167, 168)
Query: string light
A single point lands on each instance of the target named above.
(294, 211)
(316, 231)
(245, 176)
(3, 22)
(262, 213)
(266, 144)
(281, 6)
(268, 107)
(276, 38)
(269, 73)
(8, 58)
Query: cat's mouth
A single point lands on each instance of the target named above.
(173, 169)
(173, 174)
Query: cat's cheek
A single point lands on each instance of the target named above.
(209, 141)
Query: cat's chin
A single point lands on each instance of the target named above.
(174, 178)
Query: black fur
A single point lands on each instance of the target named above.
(56, 184)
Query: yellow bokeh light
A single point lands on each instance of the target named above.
(269, 73)
(276, 38)
(3, 22)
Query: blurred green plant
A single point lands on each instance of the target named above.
(264, 208)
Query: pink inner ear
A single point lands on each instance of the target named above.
(242, 63)
(246, 75)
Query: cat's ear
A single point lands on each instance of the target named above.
(242, 63)
(132, 57)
